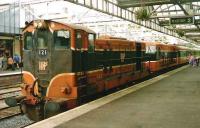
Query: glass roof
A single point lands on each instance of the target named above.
(160, 12)
(163, 11)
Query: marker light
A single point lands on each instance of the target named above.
(35, 24)
(40, 24)
(52, 25)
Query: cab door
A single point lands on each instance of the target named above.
(84, 55)
(79, 52)
(91, 56)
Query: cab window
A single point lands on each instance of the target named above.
(79, 40)
(42, 39)
(91, 39)
(41, 43)
(28, 41)
(62, 39)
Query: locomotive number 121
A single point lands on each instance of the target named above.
(42, 52)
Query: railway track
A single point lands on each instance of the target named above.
(8, 112)
(10, 78)
(15, 121)
(5, 93)
(10, 83)
(9, 86)
(13, 118)
(9, 92)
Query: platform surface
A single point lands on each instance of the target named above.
(173, 102)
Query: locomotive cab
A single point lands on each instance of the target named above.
(46, 49)
(54, 54)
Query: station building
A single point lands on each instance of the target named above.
(10, 44)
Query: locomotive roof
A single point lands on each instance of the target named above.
(73, 26)
(183, 47)
(158, 43)
(78, 27)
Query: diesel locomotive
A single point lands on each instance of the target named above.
(64, 64)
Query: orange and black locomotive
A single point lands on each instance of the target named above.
(64, 64)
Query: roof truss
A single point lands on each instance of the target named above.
(164, 10)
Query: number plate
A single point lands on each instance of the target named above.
(42, 52)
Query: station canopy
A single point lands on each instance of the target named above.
(181, 16)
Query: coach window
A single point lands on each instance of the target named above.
(28, 41)
(91, 39)
(79, 40)
(62, 39)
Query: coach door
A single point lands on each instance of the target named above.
(138, 56)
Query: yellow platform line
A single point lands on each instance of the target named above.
(78, 111)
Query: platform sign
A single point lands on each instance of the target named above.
(182, 20)
(164, 23)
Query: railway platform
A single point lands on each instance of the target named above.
(170, 100)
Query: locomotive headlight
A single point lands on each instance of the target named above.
(39, 24)
(35, 24)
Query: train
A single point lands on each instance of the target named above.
(64, 64)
